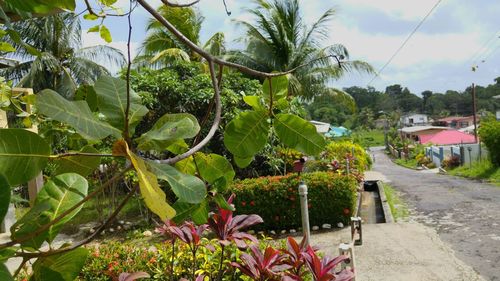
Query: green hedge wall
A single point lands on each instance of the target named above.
(332, 199)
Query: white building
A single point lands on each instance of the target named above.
(413, 119)
(321, 127)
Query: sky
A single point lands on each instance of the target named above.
(457, 35)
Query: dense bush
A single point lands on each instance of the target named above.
(489, 132)
(346, 149)
(113, 257)
(331, 199)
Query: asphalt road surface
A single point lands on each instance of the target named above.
(465, 213)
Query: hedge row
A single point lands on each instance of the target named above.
(331, 197)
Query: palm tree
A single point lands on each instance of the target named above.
(279, 40)
(55, 58)
(161, 47)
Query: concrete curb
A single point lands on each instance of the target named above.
(385, 205)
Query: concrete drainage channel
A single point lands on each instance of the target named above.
(374, 207)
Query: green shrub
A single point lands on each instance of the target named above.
(331, 199)
(111, 258)
(340, 150)
(489, 132)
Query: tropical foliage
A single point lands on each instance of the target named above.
(55, 58)
(278, 40)
(187, 183)
(160, 47)
(489, 132)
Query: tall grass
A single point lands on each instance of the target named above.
(399, 208)
(479, 170)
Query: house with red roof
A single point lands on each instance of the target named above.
(457, 122)
(448, 137)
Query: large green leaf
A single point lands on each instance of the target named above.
(23, 154)
(188, 188)
(4, 197)
(254, 102)
(186, 166)
(168, 129)
(83, 165)
(60, 267)
(213, 166)
(197, 212)
(246, 134)
(277, 86)
(88, 94)
(243, 162)
(42, 6)
(299, 134)
(112, 102)
(74, 113)
(59, 194)
(31, 221)
(4, 273)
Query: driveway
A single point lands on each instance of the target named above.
(464, 213)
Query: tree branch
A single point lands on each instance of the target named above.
(86, 240)
(213, 129)
(129, 66)
(177, 5)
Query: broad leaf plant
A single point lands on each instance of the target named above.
(111, 111)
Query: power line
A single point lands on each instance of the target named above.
(483, 49)
(404, 43)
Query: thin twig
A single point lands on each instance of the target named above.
(103, 15)
(225, 7)
(86, 240)
(129, 66)
(25, 260)
(213, 129)
(177, 5)
(46, 226)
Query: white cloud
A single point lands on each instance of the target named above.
(401, 9)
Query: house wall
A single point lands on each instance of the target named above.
(415, 119)
(438, 153)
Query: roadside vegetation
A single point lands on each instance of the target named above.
(399, 208)
(482, 170)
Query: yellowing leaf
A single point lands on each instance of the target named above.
(94, 29)
(105, 34)
(153, 195)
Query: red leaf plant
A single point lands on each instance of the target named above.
(227, 228)
(260, 266)
(294, 257)
(323, 269)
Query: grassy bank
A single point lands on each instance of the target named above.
(399, 209)
(483, 170)
(410, 163)
(368, 138)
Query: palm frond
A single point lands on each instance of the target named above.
(106, 56)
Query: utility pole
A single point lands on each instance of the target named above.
(474, 110)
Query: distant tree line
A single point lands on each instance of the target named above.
(397, 100)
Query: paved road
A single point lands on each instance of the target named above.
(465, 213)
